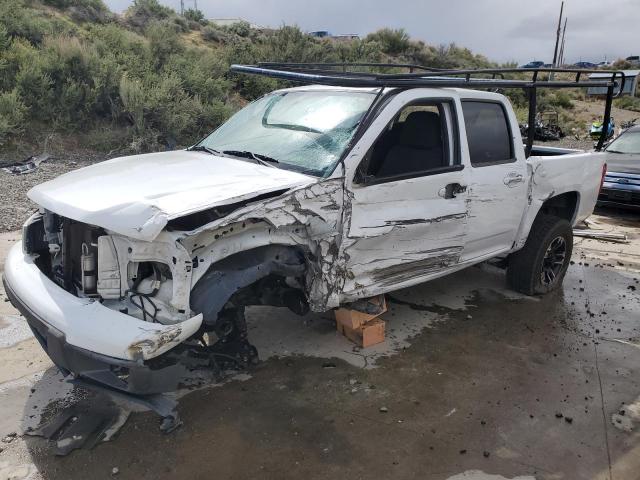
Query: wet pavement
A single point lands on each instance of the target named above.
(473, 382)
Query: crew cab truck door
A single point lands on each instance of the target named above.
(497, 192)
(407, 191)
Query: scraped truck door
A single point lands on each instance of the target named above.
(498, 178)
(408, 217)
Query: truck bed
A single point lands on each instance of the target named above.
(544, 151)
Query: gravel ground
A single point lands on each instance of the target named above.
(15, 207)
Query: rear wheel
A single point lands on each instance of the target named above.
(539, 267)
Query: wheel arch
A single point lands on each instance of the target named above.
(239, 271)
(564, 205)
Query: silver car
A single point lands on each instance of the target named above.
(621, 187)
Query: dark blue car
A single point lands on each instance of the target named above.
(584, 65)
(621, 187)
(534, 64)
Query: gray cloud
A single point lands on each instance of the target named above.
(503, 30)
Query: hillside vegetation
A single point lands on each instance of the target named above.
(151, 79)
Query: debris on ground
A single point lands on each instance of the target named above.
(83, 425)
(28, 165)
(610, 237)
(361, 323)
(10, 437)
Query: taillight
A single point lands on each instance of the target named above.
(604, 173)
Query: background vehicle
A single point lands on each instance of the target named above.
(533, 64)
(547, 127)
(621, 187)
(633, 60)
(585, 65)
(596, 129)
(308, 198)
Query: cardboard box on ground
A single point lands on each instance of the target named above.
(360, 323)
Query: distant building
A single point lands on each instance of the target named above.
(630, 83)
(346, 36)
(328, 34)
(634, 60)
(227, 22)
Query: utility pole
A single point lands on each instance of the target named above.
(561, 55)
(182, 7)
(555, 52)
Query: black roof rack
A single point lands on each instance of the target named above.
(363, 75)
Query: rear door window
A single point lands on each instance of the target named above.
(488, 133)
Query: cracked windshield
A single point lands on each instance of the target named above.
(302, 130)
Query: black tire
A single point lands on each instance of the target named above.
(539, 267)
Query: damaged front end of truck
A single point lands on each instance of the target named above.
(137, 271)
(140, 316)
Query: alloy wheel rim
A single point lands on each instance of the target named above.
(553, 261)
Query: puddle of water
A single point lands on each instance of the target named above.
(280, 333)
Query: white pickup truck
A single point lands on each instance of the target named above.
(309, 198)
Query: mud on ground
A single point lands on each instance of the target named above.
(473, 378)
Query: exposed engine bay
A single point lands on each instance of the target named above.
(128, 276)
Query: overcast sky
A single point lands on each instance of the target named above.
(503, 30)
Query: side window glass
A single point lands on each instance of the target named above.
(488, 134)
(415, 142)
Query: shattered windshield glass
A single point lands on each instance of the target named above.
(305, 131)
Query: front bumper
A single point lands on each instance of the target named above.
(84, 337)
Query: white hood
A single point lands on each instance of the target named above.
(136, 196)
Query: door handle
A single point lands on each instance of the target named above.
(512, 179)
(451, 190)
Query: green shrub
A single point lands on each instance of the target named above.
(211, 33)
(242, 29)
(133, 97)
(142, 12)
(193, 15)
(5, 40)
(83, 10)
(19, 21)
(163, 41)
(106, 137)
(35, 86)
(627, 103)
(561, 100)
(84, 71)
(12, 115)
(391, 41)
(194, 25)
